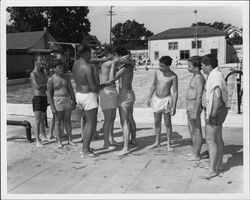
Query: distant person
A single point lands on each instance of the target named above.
(38, 80)
(216, 112)
(162, 101)
(126, 97)
(108, 101)
(86, 95)
(194, 105)
(62, 100)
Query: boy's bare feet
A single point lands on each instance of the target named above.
(111, 147)
(122, 152)
(39, 145)
(170, 148)
(72, 143)
(208, 175)
(113, 142)
(155, 145)
(194, 158)
(133, 142)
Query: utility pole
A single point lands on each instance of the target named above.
(111, 13)
(196, 33)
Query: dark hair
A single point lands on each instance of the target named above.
(108, 50)
(210, 59)
(121, 51)
(196, 61)
(167, 60)
(83, 48)
(34, 59)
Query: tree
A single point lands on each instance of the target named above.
(131, 35)
(216, 25)
(66, 24)
(236, 39)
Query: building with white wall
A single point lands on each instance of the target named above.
(181, 43)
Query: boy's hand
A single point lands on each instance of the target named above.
(173, 112)
(73, 105)
(53, 110)
(193, 115)
(149, 102)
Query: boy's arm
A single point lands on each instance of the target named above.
(50, 93)
(152, 89)
(98, 60)
(34, 83)
(175, 93)
(216, 101)
(71, 90)
(199, 91)
(91, 80)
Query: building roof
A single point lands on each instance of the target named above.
(30, 40)
(187, 32)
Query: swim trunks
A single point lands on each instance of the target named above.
(108, 99)
(39, 103)
(164, 104)
(87, 101)
(126, 98)
(219, 119)
(190, 108)
(62, 103)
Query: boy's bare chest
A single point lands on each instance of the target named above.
(60, 82)
(41, 78)
(164, 79)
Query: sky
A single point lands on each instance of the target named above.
(160, 18)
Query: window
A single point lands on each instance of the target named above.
(194, 44)
(172, 45)
(184, 54)
(156, 55)
(214, 52)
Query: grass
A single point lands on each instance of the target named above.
(23, 94)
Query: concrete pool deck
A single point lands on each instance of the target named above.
(144, 171)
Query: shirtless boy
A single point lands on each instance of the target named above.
(162, 101)
(194, 105)
(86, 95)
(126, 97)
(39, 102)
(108, 101)
(216, 112)
(62, 100)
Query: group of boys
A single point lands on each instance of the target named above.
(163, 95)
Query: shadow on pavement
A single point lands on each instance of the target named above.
(237, 156)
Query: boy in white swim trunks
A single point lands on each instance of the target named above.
(161, 99)
(86, 95)
(62, 100)
(194, 105)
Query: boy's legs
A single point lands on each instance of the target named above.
(108, 120)
(67, 123)
(123, 111)
(168, 124)
(158, 118)
(220, 144)
(51, 128)
(190, 128)
(197, 135)
(91, 117)
(42, 127)
(83, 124)
(37, 128)
(211, 134)
(111, 129)
(132, 125)
(58, 120)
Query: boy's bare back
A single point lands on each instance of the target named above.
(164, 82)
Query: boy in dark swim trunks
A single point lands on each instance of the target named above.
(39, 102)
(216, 112)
